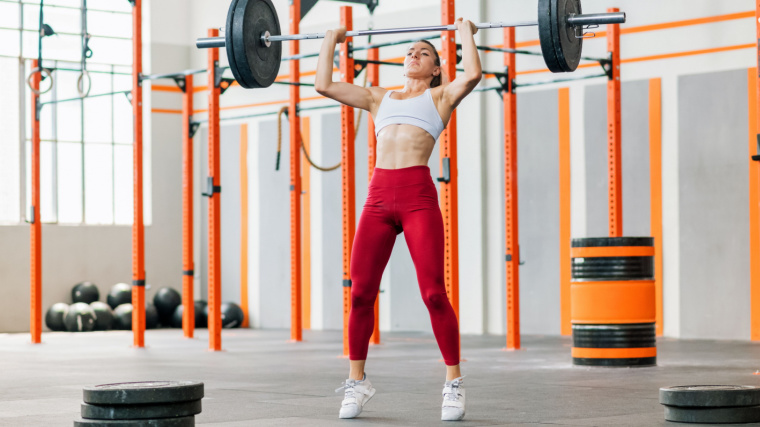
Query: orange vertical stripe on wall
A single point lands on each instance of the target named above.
(564, 210)
(655, 181)
(754, 208)
(306, 236)
(244, 224)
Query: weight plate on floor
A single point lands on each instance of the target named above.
(746, 414)
(257, 64)
(229, 42)
(140, 412)
(711, 396)
(598, 242)
(567, 46)
(546, 35)
(146, 392)
(161, 422)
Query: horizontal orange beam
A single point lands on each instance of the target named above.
(689, 53)
(165, 111)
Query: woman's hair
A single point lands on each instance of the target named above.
(437, 79)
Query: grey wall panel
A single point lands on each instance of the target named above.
(230, 211)
(635, 153)
(538, 182)
(330, 245)
(635, 159)
(274, 216)
(595, 124)
(713, 193)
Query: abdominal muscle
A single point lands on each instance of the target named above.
(402, 146)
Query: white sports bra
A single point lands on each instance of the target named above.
(419, 111)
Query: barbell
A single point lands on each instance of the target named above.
(253, 32)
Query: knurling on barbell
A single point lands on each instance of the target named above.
(254, 54)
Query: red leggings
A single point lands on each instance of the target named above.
(400, 200)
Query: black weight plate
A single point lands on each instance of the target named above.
(747, 414)
(710, 396)
(141, 412)
(546, 36)
(613, 268)
(614, 336)
(229, 41)
(161, 422)
(567, 46)
(616, 363)
(598, 242)
(257, 64)
(146, 392)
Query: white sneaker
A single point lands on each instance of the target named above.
(357, 393)
(453, 400)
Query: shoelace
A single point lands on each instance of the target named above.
(349, 387)
(454, 393)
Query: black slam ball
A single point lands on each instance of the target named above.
(121, 293)
(103, 315)
(232, 315)
(85, 292)
(166, 301)
(54, 316)
(79, 318)
(122, 317)
(200, 315)
(151, 316)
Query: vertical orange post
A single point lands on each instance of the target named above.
(35, 291)
(754, 202)
(347, 170)
(138, 229)
(564, 211)
(754, 189)
(655, 182)
(448, 154)
(306, 248)
(188, 267)
(510, 197)
(295, 179)
(373, 77)
(614, 134)
(244, 223)
(214, 205)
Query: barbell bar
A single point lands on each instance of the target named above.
(253, 30)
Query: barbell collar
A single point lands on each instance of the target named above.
(210, 42)
(596, 19)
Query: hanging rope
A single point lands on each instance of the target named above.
(86, 53)
(44, 72)
(357, 122)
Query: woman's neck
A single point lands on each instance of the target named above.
(416, 85)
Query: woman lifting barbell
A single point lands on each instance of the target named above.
(403, 197)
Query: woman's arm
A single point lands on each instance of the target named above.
(454, 92)
(345, 93)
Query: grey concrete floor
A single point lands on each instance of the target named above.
(262, 379)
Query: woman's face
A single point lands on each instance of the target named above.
(420, 62)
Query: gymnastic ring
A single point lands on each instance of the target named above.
(44, 71)
(80, 84)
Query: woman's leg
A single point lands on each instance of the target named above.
(423, 230)
(373, 244)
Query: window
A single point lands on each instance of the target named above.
(86, 144)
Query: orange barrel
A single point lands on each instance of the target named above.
(612, 301)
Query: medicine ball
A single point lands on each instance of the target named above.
(85, 292)
(200, 317)
(166, 301)
(121, 293)
(103, 315)
(151, 316)
(54, 316)
(122, 317)
(232, 315)
(79, 318)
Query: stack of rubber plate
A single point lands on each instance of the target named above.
(711, 404)
(148, 404)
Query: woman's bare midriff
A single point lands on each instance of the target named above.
(403, 146)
